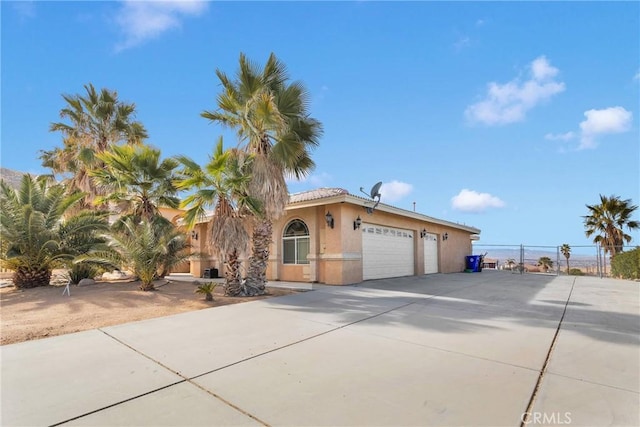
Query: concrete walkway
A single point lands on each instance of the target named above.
(442, 350)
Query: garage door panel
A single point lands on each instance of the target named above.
(386, 252)
(430, 253)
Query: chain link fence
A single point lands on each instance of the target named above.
(584, 260)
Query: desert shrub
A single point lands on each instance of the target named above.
(576, 272)
(83, 270)
(626, 265)
(206, 289)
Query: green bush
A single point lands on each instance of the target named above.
(206, 289)
(626, 265)
(83, 271)
(576, 272)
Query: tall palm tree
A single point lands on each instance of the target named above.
(566, 252)
(270, 116)
(35, 235)
(607, 222)
(136, 180)
(97, 120)
(222, 184)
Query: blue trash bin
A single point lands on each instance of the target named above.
(473, 263)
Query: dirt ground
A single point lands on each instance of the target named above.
(44, 312)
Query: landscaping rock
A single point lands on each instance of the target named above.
(117, 275)
(86, 282)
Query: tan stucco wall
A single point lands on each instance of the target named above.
(201, 246)
(336, 254)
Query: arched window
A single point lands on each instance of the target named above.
(295, 243)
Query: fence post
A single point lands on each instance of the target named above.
(521, 259)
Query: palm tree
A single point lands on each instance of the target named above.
(97, 121)
(566, 252)
(546, 263)
(207, 290)
(145, 247)
(222, 184)
(270, 116)
(607, 222)
(35, 235)
(136, 180)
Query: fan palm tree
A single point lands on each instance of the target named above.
(136, 180)
(566, 252)
(97, 121)
(35, 235)
(546, 263)
(221, 184)
(270, 116)
(607, 222)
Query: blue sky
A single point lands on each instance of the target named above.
(508, 116)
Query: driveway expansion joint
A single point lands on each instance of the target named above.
(545, 366)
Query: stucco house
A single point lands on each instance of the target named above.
(328, 236)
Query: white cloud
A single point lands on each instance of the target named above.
(394, 191)
(601, 122)
(472, 201)
(542, 70)
(145, 20)
(637, 76)
(509, 102)
(480, 22)
(567, 136)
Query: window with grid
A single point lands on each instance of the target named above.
(295, 243)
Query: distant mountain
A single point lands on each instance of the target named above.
(11, 177)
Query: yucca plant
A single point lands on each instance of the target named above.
(207, 290)
(36, 237)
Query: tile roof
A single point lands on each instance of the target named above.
(318, 193)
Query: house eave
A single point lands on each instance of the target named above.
(359, 201)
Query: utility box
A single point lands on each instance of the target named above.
(210, 273)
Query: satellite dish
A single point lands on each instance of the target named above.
(375, 190)
(374, 194)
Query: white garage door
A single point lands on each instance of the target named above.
(430, 253)
(386, 252)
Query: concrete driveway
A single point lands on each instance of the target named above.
(442, 350)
